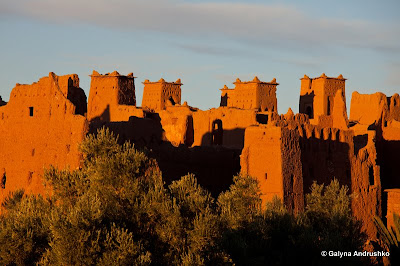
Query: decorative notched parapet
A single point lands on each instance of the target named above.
(160, 94)
(254, 94)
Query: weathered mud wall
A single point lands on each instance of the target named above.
(223, 126)
(367, 108)
(38, 128)
(272, 155)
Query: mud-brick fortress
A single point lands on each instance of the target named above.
(43, 124)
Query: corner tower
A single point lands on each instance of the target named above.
(253, 94)
(317, 95)
(158, 95)
(108, 92)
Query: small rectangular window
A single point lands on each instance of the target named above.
(31, 111)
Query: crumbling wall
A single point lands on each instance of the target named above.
(325, 154)
(177, 123)
(272, 155)
(394, 107)
(339, 112)
(227, 96)
(366, 181)
(367, 109)
(69, 85)
(38, 128)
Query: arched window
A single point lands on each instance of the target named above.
(217, 132)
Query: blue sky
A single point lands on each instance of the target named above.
(205, 43)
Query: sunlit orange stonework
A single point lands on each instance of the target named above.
(43, 124)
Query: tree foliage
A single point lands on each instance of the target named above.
(116, 209)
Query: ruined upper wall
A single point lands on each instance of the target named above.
(253, 94)
(367, 109)
(39, 127)
(158, 95)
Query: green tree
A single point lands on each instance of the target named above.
(24, 230)
(116, 209)
(329, 223)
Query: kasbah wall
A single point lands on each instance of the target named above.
(43, 124)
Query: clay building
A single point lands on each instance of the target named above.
(272, 155)
(41, 125)
(317, 96)
(255, 94)
(286, 153)
(157, 95)
(111, 97)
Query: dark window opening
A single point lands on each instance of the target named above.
(171, 100)
(329, 107)
(371, 176)
(3, 181)
(217, 132)
(31, 111)
(266, 176)
(224, 100)
(262, 118)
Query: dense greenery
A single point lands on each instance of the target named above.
(390, 237)
(116, 210)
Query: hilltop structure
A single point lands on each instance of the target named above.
(158, 95)
(253, 94)
(43, 124)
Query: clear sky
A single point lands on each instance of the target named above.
(205, 43)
